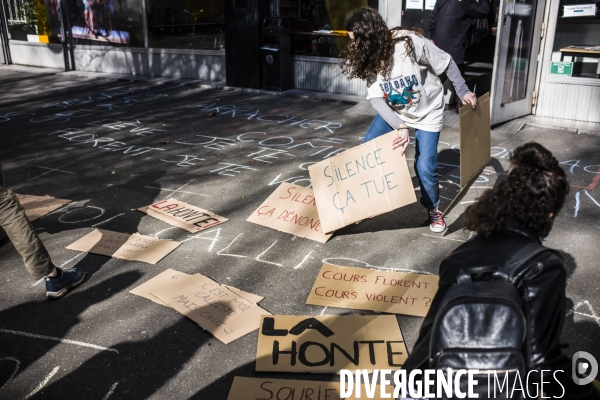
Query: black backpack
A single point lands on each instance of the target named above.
(481, 326)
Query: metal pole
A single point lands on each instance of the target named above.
(63, 39)
(276, 8)
(69, 35)
(4, 35)
(146, 42)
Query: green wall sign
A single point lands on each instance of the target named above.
(561, 68)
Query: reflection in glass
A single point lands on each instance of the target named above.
(519, 21)
(318, 25)
(186, 24)
(33, 20)
(106, 22)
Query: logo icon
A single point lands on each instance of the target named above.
(579, 367)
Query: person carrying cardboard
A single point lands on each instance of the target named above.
(401, 69)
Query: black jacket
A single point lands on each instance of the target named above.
(450, 22)
(542, 293)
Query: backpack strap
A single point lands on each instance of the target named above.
(521, 258)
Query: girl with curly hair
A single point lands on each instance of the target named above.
(401, 69)
(517, 213)
(530, 196)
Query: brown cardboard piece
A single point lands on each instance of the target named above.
(145, 289)
(182, 215)
(125, 246)
(215, 308)
(38, 206)
(360, 183)
(316, 338)
(475, 145)
(254, 298)
(369, 289)
(272, 389)
(475, 142)
(291, 209)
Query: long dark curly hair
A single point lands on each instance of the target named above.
(372, 50)
(531, 195)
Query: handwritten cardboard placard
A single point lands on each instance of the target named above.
(273, 389)
(125, 246)
(369, 289)
(475, 150)
(146, 288)
(254, 298)
(475, 145)
(38, 206)
(183, 215)
(329, 343)
(360, 183)
(291, 209)
(218, 310)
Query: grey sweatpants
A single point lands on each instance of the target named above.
(23, 235)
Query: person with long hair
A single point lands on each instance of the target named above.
(401, 70)
(519, 211)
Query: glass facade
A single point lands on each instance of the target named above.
(32, 20)
(577, 39)
(318, 26)
(106, 22)
(103, 22)
(186, 24)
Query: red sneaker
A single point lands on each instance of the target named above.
(436, 221)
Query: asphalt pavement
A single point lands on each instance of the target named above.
(112, 146)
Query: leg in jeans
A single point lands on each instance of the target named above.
(426, 163)
(23, 236)
(2, 232)
(378, 127)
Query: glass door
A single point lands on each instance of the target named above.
(4, 54)
(517, 48)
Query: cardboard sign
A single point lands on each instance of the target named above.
(254, 298)
(125, 246)
(273, 389)
(183, 215)
(38, 206)
(475, 145)
(291, 209)
(329, 343)
(215, 308)
(145, 289)
(475, 150)
(369, 289)
(360, 183)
